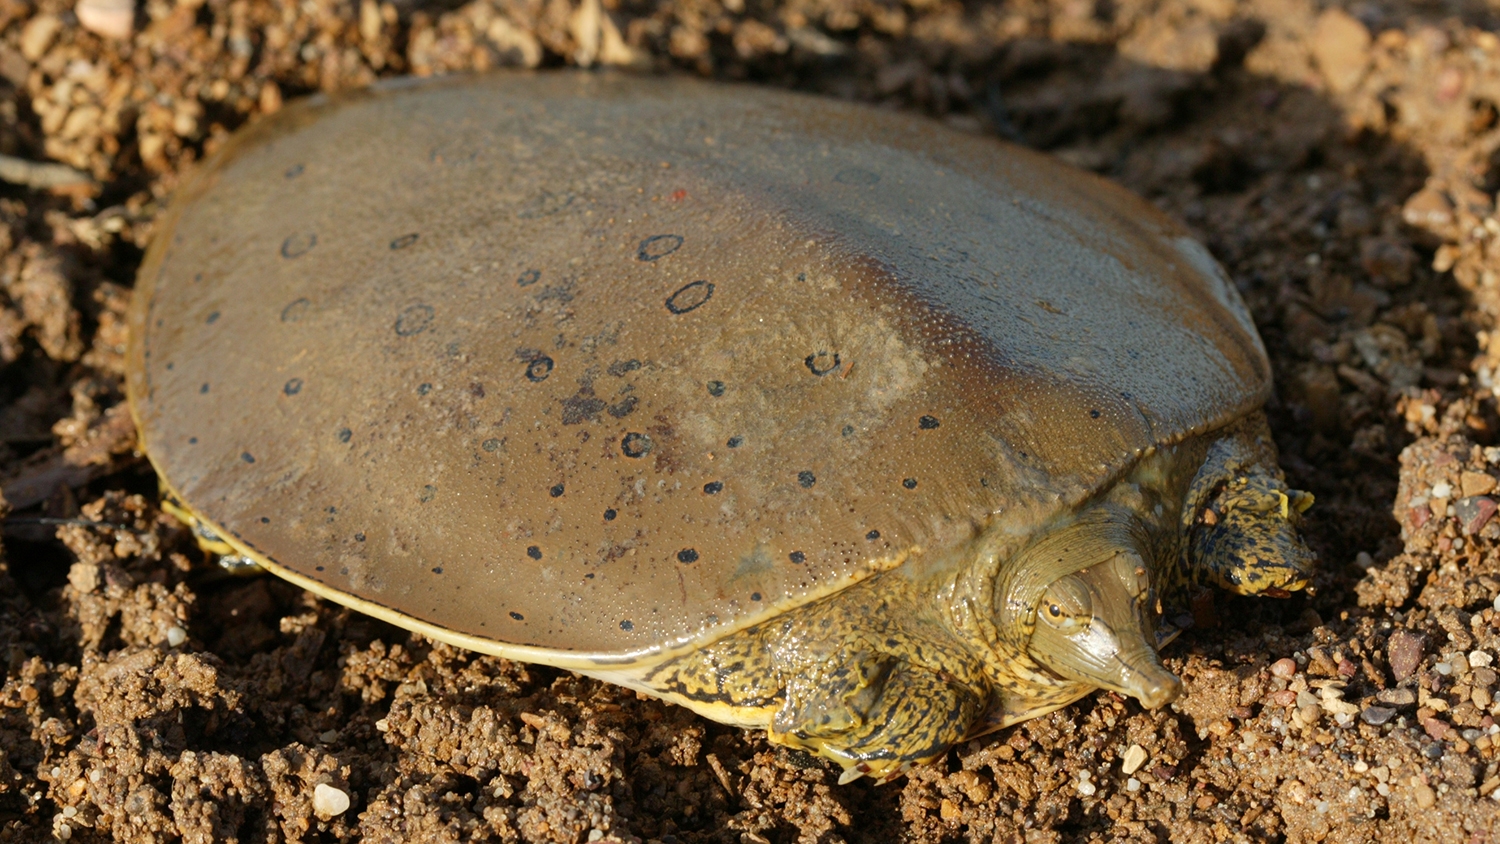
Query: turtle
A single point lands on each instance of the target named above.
(832, 421)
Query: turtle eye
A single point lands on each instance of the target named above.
(1055, 612)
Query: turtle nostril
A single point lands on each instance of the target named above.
(1159, 691)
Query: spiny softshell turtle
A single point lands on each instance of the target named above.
(804, 415)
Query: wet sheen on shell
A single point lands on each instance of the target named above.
(584, 368)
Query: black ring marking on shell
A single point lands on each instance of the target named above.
(856, 176)
(636, 445)
(294, 171)
(404, 241)
(690, 296)
(687, 555)
(873, 535)
(533, 552)
(414, 320)
(658, 246)
(713, 487)
(212, 318)
(556, 490)
(344, 435)
(609, 515)
(295, 309)
(927, 423)
(820, 369)
(716, 388)
(538, 368)
(297, 245)
(806, 479)
(292, 387)
(910, 483)
(528, 278)
(797, 557)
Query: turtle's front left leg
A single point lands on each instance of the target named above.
(874, 713)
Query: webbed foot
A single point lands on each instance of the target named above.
(1245, 538)
(875, 714)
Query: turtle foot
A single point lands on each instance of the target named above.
(1245, 538)
(875, 714)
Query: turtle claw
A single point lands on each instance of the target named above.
(852, 773)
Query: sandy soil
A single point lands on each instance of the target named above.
(1341, 162)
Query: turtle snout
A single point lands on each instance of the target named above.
(1156, 688)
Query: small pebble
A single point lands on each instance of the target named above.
(1480, 659)
(63, 832)
(329, 801)
(1396, 697)
(1383, 790)
(1085, 787)
(1285, 668)
(109, 18)
(596, 835)
(1443, 668)
(1442, 489)
(1135, 757)
(1376, 715)
(1132, 785)
(1426, 797)
(175, 636)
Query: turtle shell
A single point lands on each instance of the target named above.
(587, 369)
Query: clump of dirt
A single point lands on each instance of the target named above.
(1341, 163)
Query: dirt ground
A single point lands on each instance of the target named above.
(1341, 161)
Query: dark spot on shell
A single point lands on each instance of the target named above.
(910, 483)
(797, 557)
(476, 390)
(624, 408)
(265, 520)
(544, 205)
(873, 535)
(713, 487)
(1093, 414)
(318, 568)
(359, 537)
(428, 493)
(627, 625)
(247, 457)
(609, 515)
(424, 388)
(528, 278)
(806, 479)
(556, 491)
(687, 555)
(658, 246)
(582, 406)
(755, 596)
(821, 363)
(490, 444)
(292, 387)
(204, 388)
(295, 310)
(404, 241)
(414, 320)
(857, 176)
(538, 369)
(212, 318)
(297, 245)
(344, 435)
(437, 569)
(533, 552)
(690, 296)
(735, 442)
(294, 171)
(927, 423)
(635, 445)
(848, 429)
(192, 440)
(620, 367)
(716, 388)
(517, 616)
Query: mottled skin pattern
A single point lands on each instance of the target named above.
(894, 671)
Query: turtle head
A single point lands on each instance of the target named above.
(1094, 626)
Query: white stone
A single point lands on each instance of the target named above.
(329, 801)
(175, 636)
(1135, 757)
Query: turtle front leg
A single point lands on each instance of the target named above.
(874, 713)
(1242, 531)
